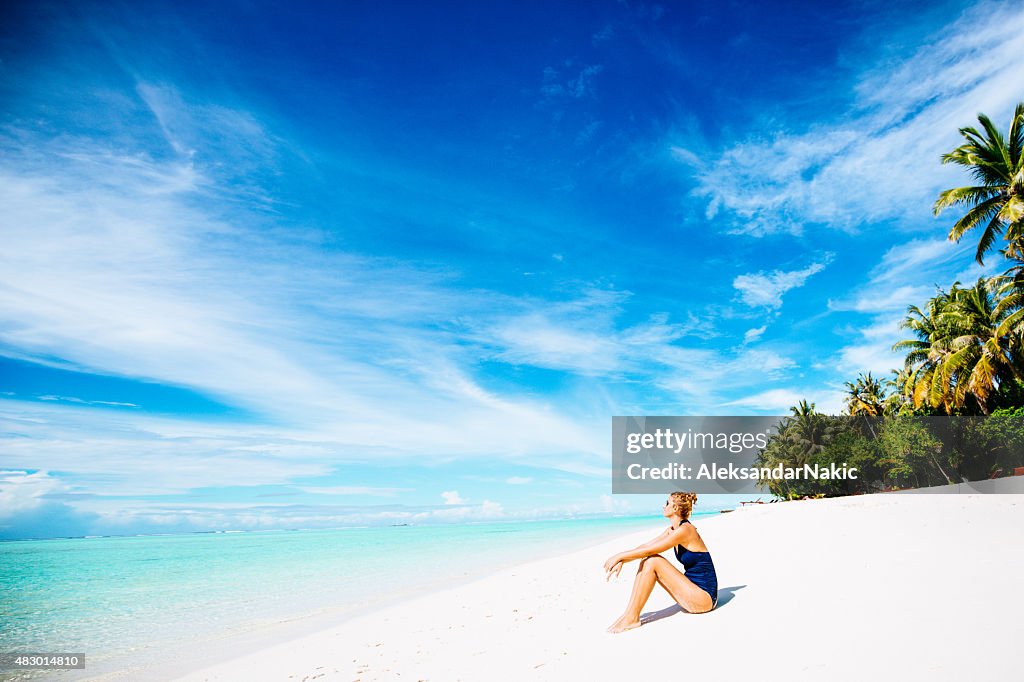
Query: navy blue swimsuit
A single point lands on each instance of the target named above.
(700, 570)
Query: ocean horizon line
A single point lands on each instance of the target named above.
(588, 517)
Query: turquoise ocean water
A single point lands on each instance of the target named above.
(129, 602)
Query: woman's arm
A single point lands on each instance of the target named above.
(670, 538)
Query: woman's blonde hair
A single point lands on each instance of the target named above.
(683, 503)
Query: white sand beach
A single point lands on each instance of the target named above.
(884, 587)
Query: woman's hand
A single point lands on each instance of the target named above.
(612, 566)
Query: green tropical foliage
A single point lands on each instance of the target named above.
(966, 345)
(865, 396)
(964, 356)
(912, 453)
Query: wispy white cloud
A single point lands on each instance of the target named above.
(34, 503)
(699, 380)
(754, 334)
(131, 277)
(918, 260)
(130, 453)
(22, 490)
(907, 274)
(871, 348)
(880, 160)
(207, 135)
(583, 337)
(72, 399)
(119, 515)
(539, 341)
(829, 399)
(765, 289)
(883, 299)
(779, 400)
(354, 490)
(452, 497)
(484, 511)
(614, 505)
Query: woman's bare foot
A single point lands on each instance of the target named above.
(623, 624)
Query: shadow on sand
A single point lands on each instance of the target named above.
(725, 595)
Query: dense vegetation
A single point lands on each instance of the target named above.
(964, 357)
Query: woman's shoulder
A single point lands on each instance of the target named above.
(687, 529)
(695, 541)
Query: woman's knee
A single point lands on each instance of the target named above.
(649, 564)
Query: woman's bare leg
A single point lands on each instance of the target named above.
(657, 569)
(643, 585)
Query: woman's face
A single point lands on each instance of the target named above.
(668, 510)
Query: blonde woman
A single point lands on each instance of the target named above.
(696, 590)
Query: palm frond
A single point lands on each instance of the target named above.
(961, 195)
(988, 236)
(995, 141)
(1015, 141)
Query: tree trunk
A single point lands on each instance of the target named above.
(941, 470)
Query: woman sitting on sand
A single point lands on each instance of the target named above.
(696, 591)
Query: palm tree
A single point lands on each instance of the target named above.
(865, 397)
(1015, 255)
(925, 354)
(899, 401)
(799, 438)
(803, 409)
(968, 343)
(1010, 294)
(996, 203)
(982, 348)
(807, 432)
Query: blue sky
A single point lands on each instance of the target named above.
(269, 265)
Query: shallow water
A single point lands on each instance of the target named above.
(116, 598)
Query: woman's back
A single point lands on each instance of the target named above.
(698, 566)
